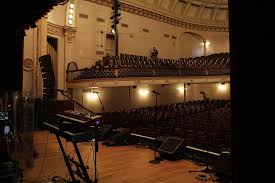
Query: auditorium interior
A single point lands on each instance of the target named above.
(134, 91)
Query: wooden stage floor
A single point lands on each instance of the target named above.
(119, 164)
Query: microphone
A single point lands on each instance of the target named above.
(203, 93)
(155, 92)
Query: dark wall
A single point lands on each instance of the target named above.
(252, 54)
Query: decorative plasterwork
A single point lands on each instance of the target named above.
(55, 29)
(162, 18)
(58, 30)
(69, 33)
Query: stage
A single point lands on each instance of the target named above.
(115, 164)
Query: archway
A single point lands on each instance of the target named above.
(190, 45)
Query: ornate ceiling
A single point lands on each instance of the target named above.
(203, 12)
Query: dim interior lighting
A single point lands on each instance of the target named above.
(91, 96)
(71, 11)
(222, 87)
(71, 5)
(113, 31)
(98, 122)
(207, 43)
(71, 16)
(70, 21)
(181, 89)
(143, 92)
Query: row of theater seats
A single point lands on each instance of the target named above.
(127, 65)
(218, 60)
(202, 124)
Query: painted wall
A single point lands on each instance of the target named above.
(117, 98)
(88, 44)
(30, 52)
(58, 15)
(91, 36)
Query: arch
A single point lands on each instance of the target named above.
(72, 66)
(196, 35)
(190, 45)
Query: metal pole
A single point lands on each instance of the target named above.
(185, 92)
(116, 40)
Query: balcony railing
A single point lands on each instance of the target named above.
(103, 73)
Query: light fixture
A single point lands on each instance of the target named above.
(113, 31)
(71, 11)
(91, 96)
(70, 16)
(181, 89)
(222, 87)
(72, 5)
(143, 92)
(70, 21)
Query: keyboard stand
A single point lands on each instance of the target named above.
(80, 169)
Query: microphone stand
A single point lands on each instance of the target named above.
(207, 169)
(102, 106)
(156, 159)
(96, 130)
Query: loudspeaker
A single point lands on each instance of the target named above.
(172, 148)
(121, 136)
(45, 61)
(223, 164)
(106, 131)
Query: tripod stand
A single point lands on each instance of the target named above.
(156, 159)
(207, 169)
(91, 113)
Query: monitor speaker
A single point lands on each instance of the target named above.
(172, 148)
(121, 136)
(106, 131)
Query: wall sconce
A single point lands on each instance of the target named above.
(143, 92)
(222, 87)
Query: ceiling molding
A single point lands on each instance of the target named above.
(162, 18)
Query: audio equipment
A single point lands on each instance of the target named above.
(172, 148)
(121, 136)
(106, 131)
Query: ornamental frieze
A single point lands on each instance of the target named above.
(162, 18)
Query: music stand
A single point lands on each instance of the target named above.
(156, 159)
(207, 169)
(63, 92)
